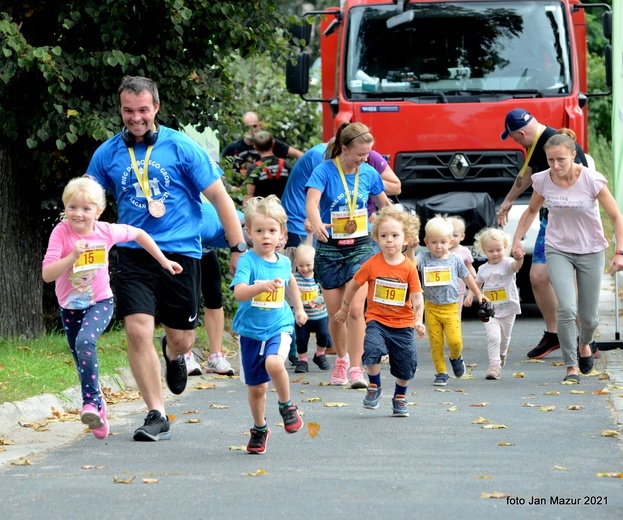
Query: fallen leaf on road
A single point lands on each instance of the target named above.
(452, 409)
(560, 467)
(471, 365)
(91, 466)
(313, 429)
(324, 383)
(603, 375)
(495, 494)
(193, 421)
(188, 412)
(151, 480)
(298, 379)
(481, 420)
(313, 400)
(237, 448)
(530, 405)
(549, 408)
(219, 406)
(519, 374)
(612, 474)
(534, 361)
(205, 386)
(484, 476)
(479, 405)
(442, 390)
(118, 480)
(553, 392)
(504, 443)
(5, 441)
(257, 473)
(609, 433)
(575, 407)
(466, 376)
(577, 391)
(603, 391)
(21, 462)
(558, 364)
(494, 426)
(335, 405)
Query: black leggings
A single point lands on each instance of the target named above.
(211, 281)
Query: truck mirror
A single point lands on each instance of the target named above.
(297, 75)
(606, 23)
(608, 64)
(302, 32)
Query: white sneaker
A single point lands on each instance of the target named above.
(219, 365)
(192, 367)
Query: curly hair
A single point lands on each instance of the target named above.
(409, 221)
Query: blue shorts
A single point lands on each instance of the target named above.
(335, 265)
(253, 353)
(398, 344)
(538, 256)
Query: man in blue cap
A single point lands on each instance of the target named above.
(525, 130)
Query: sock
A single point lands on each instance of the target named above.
(375, 380)
(261, 428)
(284, 405)
(400, 390)
(303, 358)
(346, 358)
(217, 355)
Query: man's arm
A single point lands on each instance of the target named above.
(521, 184)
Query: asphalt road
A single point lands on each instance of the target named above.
(362, 463)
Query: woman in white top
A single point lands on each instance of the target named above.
(574, 245)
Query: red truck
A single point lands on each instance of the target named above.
(434, 80)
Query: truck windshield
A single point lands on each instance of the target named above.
(459, 49)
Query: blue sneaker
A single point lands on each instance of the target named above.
(458, 366)
(399, 406)
(371, 400)
(441, 379)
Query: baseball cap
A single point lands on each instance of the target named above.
(516, 119)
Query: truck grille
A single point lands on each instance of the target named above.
(478, 166)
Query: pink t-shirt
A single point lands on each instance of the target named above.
(574, 224)
(468, 259)
(87, 281)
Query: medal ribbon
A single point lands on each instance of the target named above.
(352, 204)
(142, 175)
(530, 152)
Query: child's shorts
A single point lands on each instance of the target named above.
(253, 355)
(398, 344)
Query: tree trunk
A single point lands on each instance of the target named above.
(21, 285)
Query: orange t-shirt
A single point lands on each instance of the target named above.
(389, 290)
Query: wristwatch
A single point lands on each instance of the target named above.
(239, 248)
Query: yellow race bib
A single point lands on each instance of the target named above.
(93, 258)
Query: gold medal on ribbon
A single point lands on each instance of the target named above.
(156, 208)
(351, 226)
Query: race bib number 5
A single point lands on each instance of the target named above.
(270, 300)
(440, 275)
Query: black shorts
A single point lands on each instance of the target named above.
(211, 288)
(145, 287)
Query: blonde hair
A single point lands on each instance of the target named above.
(348, 134)
(457, 223)
(495, 234)
(439, 226)
(88, 189)
(304, 249)
(410, 222)
(268, 206)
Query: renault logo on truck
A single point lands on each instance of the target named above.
(459, 166)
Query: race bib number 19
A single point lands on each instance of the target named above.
(390, 292)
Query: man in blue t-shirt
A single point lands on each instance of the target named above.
(156, 175)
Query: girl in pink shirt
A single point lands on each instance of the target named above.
(77, 260)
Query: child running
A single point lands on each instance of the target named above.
(316, 310)
(77, 259)
(395, 306)
(497, 278)
(464, 253)
(264, 320)
(440, 270)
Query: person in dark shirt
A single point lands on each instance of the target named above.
(269, 174)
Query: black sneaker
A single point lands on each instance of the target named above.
(155, 428)
(257, 442)
(302, 367)
(321, 361)
(292, 421)
(175, 374)
(293, 360)
(547, 345)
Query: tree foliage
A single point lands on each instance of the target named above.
(61, 64)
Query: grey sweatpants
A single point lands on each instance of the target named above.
(589, 270)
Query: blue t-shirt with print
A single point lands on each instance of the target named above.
(179, 170)
(327, 179)
(256, 322)
(212, 230)
(442, 294)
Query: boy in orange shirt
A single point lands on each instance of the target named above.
(395, 306)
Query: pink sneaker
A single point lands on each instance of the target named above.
(340, 369)
(355, 378)
(95, 420)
